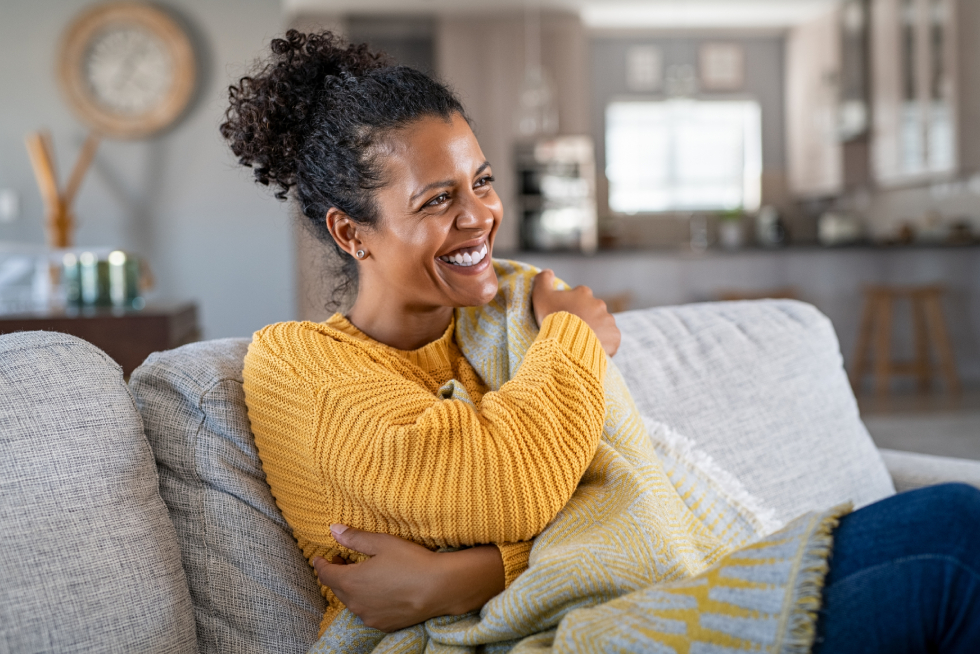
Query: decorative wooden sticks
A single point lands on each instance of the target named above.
(60, 217)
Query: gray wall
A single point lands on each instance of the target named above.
(179, 199)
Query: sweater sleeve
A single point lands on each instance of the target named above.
(515, 557)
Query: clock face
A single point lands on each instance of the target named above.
(129, 69)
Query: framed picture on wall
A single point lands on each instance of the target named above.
(722, 66)
(644, 68)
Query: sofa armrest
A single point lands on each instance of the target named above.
(910, 470)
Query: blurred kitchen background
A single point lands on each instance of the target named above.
(659, 151)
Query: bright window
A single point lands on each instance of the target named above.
(683, 155)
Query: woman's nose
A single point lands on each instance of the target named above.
(474, 214)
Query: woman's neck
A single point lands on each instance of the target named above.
(403, 328)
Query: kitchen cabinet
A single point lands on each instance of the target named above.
(915, 90)
(921, 76)
(827, 102)
(813, 60)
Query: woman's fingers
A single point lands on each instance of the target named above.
(610, 336)
(401, 584)
(365, 542)
(328, 573)
(545, 280)
(580, 301)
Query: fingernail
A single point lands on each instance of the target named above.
(338, 529)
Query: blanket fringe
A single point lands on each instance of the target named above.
(807, 594)
(765, 517)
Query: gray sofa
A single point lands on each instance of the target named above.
(137, 519)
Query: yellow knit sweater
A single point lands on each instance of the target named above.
(355, 432)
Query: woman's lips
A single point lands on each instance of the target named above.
(471, 269)
(466, 257)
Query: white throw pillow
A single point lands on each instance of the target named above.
(760, 387)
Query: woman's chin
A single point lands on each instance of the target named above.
(478, 297)
(477, 292)
(471, 286)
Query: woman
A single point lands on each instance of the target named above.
(350, 416)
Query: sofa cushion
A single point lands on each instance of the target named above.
(89, 560)
(760, 387)
(252, 589)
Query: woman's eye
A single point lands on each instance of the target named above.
(483, 181)
(439, 199)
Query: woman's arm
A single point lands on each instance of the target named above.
(446, 472)
(403, 584)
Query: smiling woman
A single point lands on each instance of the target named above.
(375, 419)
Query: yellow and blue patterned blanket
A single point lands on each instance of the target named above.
(649, 555)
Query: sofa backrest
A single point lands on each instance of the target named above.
(759, 386)
(252, 589)
(89, 560)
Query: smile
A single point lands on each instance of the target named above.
(466, 256)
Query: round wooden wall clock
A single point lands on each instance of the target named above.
(127, 69)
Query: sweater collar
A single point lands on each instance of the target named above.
(437, 355)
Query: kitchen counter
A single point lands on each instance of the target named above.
(715, 250)
(830, 278)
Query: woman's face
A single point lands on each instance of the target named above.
(438, 216)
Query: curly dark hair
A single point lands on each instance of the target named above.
(312, 117)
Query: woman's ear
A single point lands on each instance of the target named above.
(344, 232)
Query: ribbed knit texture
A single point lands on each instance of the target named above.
(412, 444)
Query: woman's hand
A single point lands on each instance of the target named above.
(403, 584)
(579, 301)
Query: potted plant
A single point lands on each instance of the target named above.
(730, 229)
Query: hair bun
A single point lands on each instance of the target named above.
(269, 112)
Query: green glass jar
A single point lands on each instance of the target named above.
(93, 275)
(70, 279)
(124, 280)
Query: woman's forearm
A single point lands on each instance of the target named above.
(403, 583)
(465, 580)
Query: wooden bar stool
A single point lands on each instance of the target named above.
(928, 327)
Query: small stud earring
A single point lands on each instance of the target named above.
(360, 254)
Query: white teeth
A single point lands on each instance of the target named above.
(468, 258)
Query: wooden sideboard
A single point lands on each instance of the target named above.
(126, 335)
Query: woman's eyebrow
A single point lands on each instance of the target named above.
(428, 187)
(446, 182)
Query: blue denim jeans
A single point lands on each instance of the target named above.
(905, 576)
